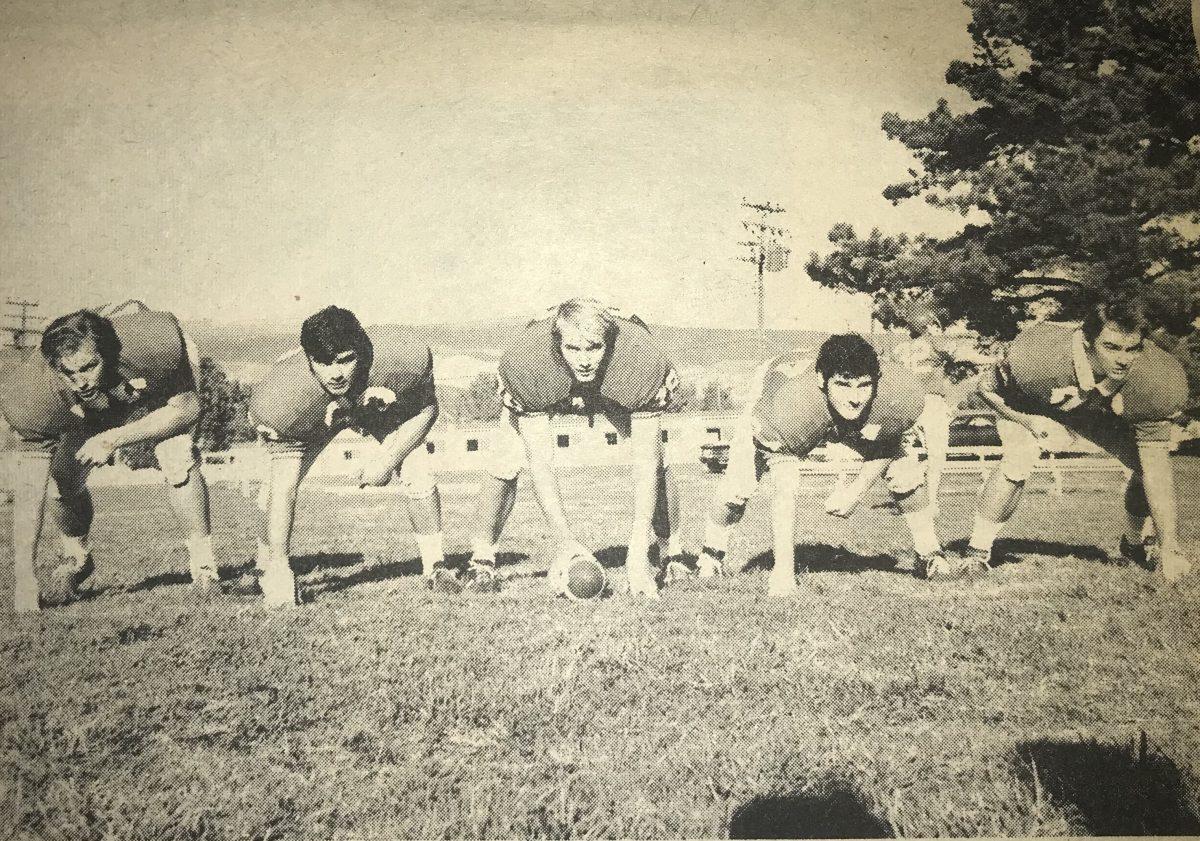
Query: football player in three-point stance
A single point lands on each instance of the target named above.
(584, 358)
(103, 380)
(1101, 381)
(341, 378)
(846, 396)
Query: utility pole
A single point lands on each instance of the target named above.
(767, 251)
(24, 320)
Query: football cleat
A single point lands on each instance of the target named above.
(976, 562)
(711, 563)
(481, 577)
(68, 577)
(444, 580)
(1138, 553)
(936, 567)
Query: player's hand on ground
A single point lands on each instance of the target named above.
(97, 450)
(565, 552)
(641, 578)
(1175, 563)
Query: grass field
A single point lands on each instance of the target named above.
(1056, 696)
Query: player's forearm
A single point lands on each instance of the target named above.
(647, 455)
(545, 487)
(410, 434)
(783, 516)
(867, 476)
(284, 478)
(178, 416)
(1158, 479)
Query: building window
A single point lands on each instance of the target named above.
(564, 441)
(472, 445)
(714, 432)
(430, 447)
(665, 436)
(348, 455)
(611, 438)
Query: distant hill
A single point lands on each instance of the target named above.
(245, 351)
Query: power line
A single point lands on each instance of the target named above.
(767, 250)
(23, 320)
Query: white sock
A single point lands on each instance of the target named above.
(482, 550)
(200, 554)
(983, 535)
(924, 531)
(262, 559)
(432, 551)
(716, 537)
(75, 549)
(669, 547)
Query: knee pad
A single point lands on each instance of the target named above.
(177, 457)
(905, 475)
(1016, 465)
(505, 463)
(418, 484)
(178, 475)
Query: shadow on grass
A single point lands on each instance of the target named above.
(821, 557)
(1116, 789)
(303, 564)
(831, 811)
(1013, 549)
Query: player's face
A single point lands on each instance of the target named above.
(337, 376)
(1116, 350)
(849, 396)
(583, 353)
(83, 370)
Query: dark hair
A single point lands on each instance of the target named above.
(1125, 314)
(848, 354)
(333, 331)
(66, 334)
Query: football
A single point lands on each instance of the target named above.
(585, 579)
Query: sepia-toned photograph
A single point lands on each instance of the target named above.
(599, 419)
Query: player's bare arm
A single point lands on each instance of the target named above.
(785, 480)
(845, 498)
(397, 446)
(535, 435)
(1158, 482)
(178, 416)
(646, 441)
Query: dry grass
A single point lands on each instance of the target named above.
(871, 704)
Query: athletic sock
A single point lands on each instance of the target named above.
(200, 555)
(482, 550)
(75, 549)
(262, 558)
(983, 535)
(432, 551)
(924, 530)
(716, 538)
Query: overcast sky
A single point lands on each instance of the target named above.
(260, 160)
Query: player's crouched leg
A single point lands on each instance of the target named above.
(179, 461)
(906, 481)
(419, 487)
(739, 482)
